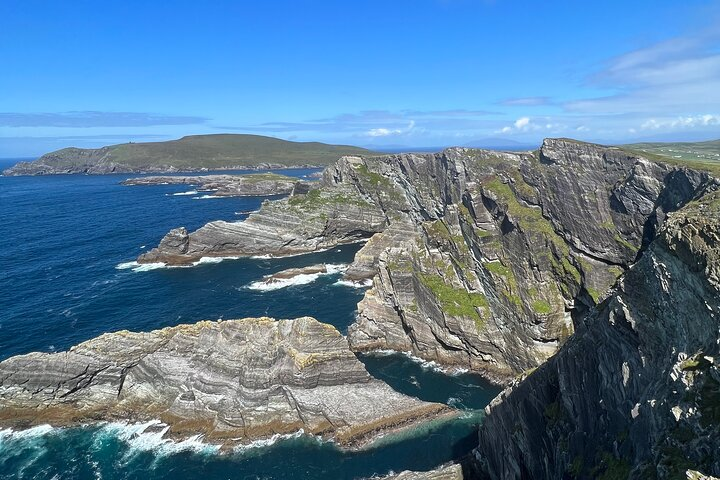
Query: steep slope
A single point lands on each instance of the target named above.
(479, 259)
(635, 393)
(192, 153)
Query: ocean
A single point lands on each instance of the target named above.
(67, 275)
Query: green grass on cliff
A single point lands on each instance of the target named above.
(455, 301)
(217, 151)
(699, 155)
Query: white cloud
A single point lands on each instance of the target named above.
(679, 76)
(387, 132)
(522, 123)
(706, 120)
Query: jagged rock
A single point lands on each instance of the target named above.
(318, 220)
(479, 259)
(231, 381)
(634, 393)
(257, 184)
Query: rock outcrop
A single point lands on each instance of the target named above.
(479, 259)
(309, 222)
(635, 393)
(257, 184)
(231, 381)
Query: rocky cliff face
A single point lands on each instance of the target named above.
(479, 259)
(635, 393)
(511, 248)
(231, 381)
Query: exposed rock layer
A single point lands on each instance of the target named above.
(258, 184)
(232, 381)
(479, 259)
(635, 393)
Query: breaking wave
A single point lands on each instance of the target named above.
(269, 284)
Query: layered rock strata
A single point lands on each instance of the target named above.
(635, 393)
(479, 259)
(258, 184)
(231, 381)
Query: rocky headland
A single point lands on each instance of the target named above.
(256, 184)
(194, 153)
(584, 278)
(231, 381)
(479, 259)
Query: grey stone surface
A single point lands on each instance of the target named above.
(257, 184)
(636, 391)
(232, 381)
(479, 259)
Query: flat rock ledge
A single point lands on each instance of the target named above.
(447, 472)
(232, 382)
(254, 184)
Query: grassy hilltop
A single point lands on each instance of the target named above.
(188, 153)
(702, 155)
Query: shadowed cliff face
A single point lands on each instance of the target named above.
(637, 388)
(479, 259)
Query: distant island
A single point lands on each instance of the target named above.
(188, 154)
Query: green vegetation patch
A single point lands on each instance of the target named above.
(593, 293)
(542, 307)
(262, 177)
(698, 155)
(625, 243)
(225, 150)
(455, 301)
(373, 178)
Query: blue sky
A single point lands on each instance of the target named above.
(373, 73)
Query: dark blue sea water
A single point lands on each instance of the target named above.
(63, 239)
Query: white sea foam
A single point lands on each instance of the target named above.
(300, 279)
(145, 267)
(206, 260)
(349, 283)
(30, 433)
(426, 364)
(205, 197)
(150, 437)
(269, 441)
(191, 192)
(140, 267)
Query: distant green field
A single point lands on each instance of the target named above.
(701, 155)
(214, 151)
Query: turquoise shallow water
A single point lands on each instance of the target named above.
(63, 240)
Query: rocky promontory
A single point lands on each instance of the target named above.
(194, 153)
(479, 259)
(231, 381)
(256, 184)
